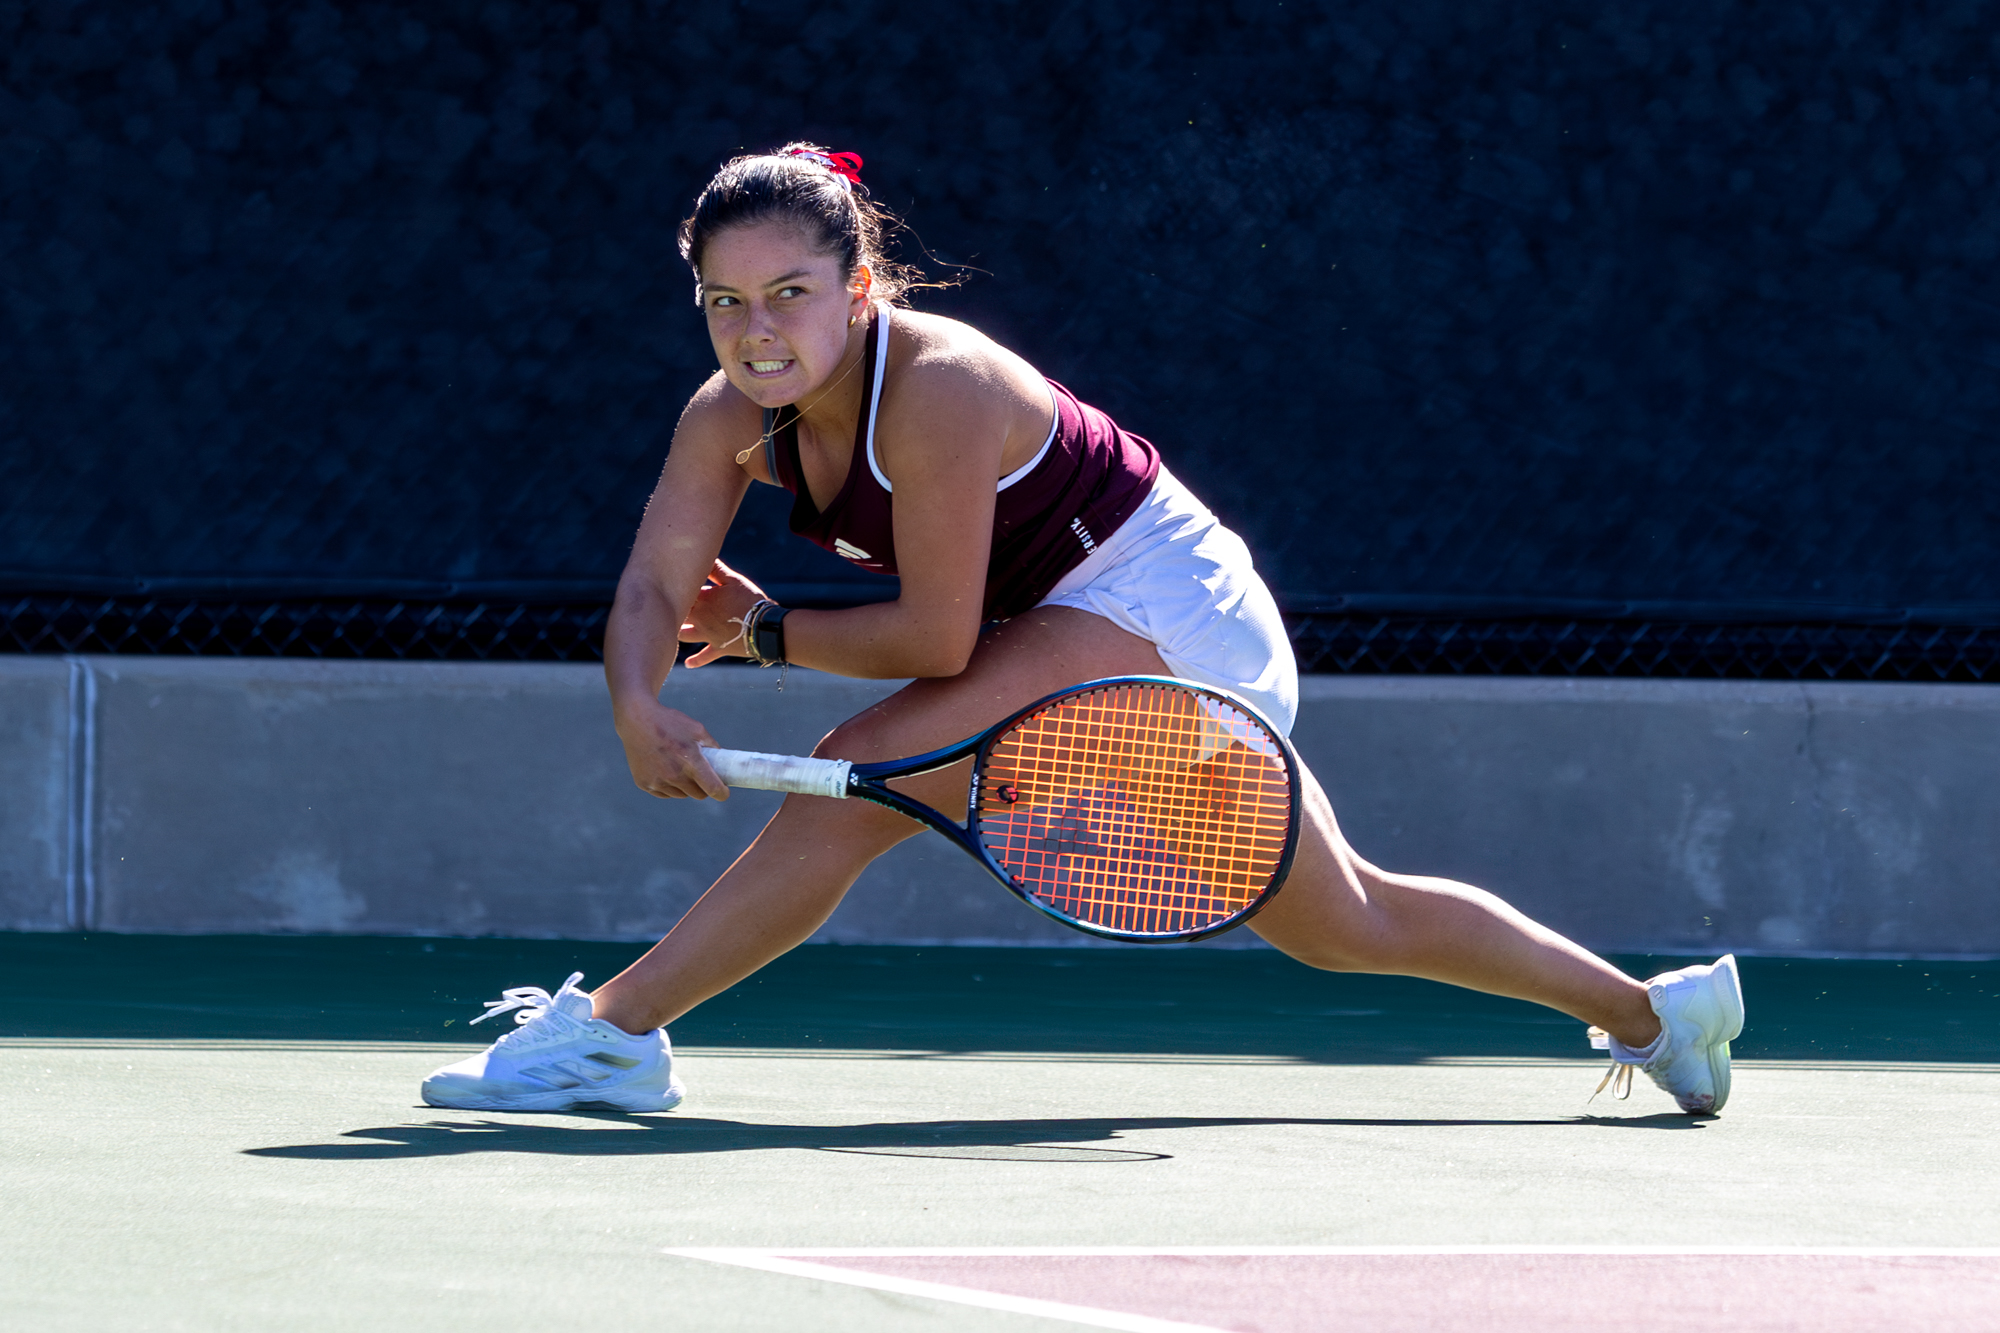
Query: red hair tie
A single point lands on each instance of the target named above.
(847, 166)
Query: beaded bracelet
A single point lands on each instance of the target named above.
(764, 633)
(753, 623)
(749, 623)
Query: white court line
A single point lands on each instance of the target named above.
(986, 1300)
(1583, 1063)
(728, 1255)
(796, 1262)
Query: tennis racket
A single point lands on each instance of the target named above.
(1136, 808)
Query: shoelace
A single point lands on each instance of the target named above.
(1618, 1078)
(532, 1003)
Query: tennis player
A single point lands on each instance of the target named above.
(1039, 546)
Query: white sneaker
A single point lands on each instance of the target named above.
(1701, 1012)
(559, 1059)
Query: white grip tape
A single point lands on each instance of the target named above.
(779, 772)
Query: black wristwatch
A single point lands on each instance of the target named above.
(769, 637)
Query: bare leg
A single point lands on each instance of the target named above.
(795, 873)
(1336, 910)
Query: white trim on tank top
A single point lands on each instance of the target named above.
(875, 402)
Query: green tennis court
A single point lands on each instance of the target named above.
(222, 1133)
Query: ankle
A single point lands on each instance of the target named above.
(629, 1021)
(1637, 1034)
(1635, 1024)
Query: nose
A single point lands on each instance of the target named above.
(757, 327)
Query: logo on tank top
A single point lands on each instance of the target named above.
(853, 552)
(1082, 535)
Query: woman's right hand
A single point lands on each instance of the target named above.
(663, 747)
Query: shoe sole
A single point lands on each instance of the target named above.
(557, 1101)
(1728, 993)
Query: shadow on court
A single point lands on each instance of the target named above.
(1137, 1000)
(1043, 1140)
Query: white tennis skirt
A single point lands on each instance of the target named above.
(1176, 577)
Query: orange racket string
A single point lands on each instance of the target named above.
(1139, 808)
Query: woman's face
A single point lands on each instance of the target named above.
(777, 310)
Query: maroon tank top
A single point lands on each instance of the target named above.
(1089, 477)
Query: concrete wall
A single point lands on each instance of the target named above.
(41, 818)
(1699, 815)
(178, 795)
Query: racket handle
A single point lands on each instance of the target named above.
(779, 772)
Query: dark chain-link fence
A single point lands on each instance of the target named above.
(1362, 644)
(333, 629)
(1584, 301)
(1427, 646)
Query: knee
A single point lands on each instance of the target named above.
(863, 739)
(1339, 922)
(1324, 953)
(858, 825)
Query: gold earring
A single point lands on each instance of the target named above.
(851, 320)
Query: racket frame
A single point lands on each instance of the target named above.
(868, 782)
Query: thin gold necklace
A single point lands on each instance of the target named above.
(764, 440)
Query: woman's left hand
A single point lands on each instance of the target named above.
(716, 618)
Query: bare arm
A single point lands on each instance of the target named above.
(943, 454)
(942, 446)
(941, 439)
(686, 519)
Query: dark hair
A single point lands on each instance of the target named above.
(835, 214)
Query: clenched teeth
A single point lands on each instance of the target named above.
(766, 367)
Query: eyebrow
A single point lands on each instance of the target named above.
(795, 273)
